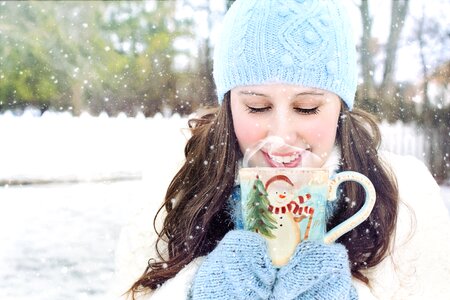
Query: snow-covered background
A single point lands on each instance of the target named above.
(58, 239)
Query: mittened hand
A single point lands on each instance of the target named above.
(238, 268)
(315, 271)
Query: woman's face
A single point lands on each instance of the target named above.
(305, 118)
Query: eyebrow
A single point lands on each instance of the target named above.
(251, 93)
(310, 93)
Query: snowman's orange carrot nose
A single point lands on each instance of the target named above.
(282, 196)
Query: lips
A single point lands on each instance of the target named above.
(283, 160)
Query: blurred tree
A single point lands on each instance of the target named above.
(27, 77)
(78, 48)
(393, 101)
(229, 3)
(97, 55)
(202, 67)
(367, 50)
(399, 8)
(147, 79)
(382, 98)
(433, 38)
(56, 47)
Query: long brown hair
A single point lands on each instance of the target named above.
(196, 200)
(359, 139)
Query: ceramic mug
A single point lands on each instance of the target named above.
(287, 206)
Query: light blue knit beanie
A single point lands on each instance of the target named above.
(303, 42)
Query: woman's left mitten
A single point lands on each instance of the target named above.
(316, 271)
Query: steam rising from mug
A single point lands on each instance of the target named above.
(275, 144)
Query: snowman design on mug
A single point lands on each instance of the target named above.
(288, 213)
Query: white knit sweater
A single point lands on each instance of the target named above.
(418, 267)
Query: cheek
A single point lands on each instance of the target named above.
(247, 130)
(322, 135)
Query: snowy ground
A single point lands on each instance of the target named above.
(58, 240)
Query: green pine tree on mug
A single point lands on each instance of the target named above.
(261, 220)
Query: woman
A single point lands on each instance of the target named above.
(288, 69)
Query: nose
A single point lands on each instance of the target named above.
(282, 125)
(282, 196)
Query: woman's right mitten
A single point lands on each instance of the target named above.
(238, 268)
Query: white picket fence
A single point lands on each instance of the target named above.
(404, 139)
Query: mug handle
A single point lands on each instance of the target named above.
(360, 215)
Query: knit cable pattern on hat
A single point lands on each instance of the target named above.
(302, 42)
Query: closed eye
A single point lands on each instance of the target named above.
(254, 110)
(307, 111)
(303, 111)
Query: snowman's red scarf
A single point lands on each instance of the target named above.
(292, 207)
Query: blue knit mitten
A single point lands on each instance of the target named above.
(315, 271)
(238, 268)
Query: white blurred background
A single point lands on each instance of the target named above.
(69, 181)
(62, 207)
